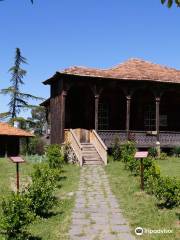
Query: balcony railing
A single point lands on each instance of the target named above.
(141, 138)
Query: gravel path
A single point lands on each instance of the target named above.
(97, 215)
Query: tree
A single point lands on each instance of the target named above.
(18, 99)
(171, 2)
(38, 119)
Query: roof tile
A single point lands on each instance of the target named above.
(8, 130)
(133, 69)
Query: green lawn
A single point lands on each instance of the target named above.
(140, 208)
(170, 166)
(56, 226)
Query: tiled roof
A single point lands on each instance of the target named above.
(8, 130)
(133, 69)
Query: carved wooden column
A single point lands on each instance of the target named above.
(63, 110)
(128, 108)
(96, 111)
(157, 117)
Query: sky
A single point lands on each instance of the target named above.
(56, 34)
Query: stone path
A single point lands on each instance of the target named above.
(96, 215)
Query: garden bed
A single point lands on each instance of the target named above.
(57, 224)
(140, 208)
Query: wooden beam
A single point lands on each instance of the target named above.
(157, 116)
(128, 110)
(96, 111)
(63, 110)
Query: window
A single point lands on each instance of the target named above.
(150, 118)
(103, 116)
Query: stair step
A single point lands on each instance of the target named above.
(88, 146)
(91, 155)
(92, 163)
(89, 152)
(91, 159)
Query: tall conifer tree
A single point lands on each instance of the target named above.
(18, 99)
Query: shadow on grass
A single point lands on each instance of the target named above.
(23, 235)
(165, 206)
(34, 238)
(178, 215)
(63, 171)
(51, 214)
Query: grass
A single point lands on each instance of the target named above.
(56, 226)
(170, 166)
(139, 208)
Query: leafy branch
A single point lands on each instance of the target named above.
(171, 2)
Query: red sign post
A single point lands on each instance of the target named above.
(17, 160)
(140, 156)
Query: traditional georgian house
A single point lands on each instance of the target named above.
(136, 100)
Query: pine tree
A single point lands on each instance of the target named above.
(18, 99)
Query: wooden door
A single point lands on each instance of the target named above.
(84, 136)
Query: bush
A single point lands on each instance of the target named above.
(116, 149)
(153, 152)
(176, 151)
(41, 190)
(16, 216)
(151, 184)
(151, 169)
(163, 156)
(36, 146)
(36, 158)
(127, 155)
(167, 192)
(55, 156)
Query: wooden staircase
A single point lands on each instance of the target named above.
(90, 155)
(87, 146)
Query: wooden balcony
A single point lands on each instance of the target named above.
(142, 139)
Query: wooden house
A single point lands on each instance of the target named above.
(136, 100)
(10, 139)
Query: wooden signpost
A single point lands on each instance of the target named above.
(17, 160)
(140, 156)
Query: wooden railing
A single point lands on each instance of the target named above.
(70, 137)
(99, 145)
(141, 138)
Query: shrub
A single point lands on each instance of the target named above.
(41, 190)
(163, 156)
(116, 149)
(55, 156)
(153, 152)
(151, 184)
(167, 192)
(176, 151)
(43, 172)
(127, 155)
(36, 146)
(36, 158)
(151, 169)
(16, 216)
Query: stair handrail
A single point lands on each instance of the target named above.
(99, 139)
(76, 139)
(99, 145)
(76, 145)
